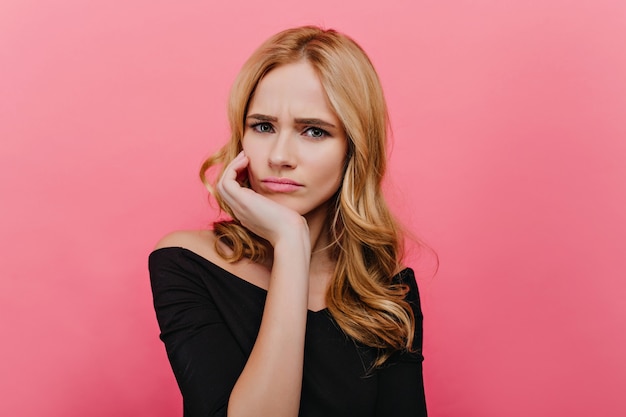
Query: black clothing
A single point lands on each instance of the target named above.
(209, 320)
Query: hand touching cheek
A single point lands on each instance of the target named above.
(264, 217)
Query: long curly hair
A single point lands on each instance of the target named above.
(366, 241)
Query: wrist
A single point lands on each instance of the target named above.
(293, 240)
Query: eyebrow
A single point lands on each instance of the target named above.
(305, 121)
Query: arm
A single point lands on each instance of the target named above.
(204, 355)
(271, 381)
(270, 384)
(401, 390)
(401, 384)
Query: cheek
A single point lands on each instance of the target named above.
(250, 152)
(331, 172)
(251, 149)
(338, 160)
(253, 164)
(245, 145)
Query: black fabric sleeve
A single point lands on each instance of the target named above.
(400, 383)
(204, 355)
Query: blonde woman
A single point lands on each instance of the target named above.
(299, 305)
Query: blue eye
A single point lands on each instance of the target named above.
(316, 132)
(262, 127)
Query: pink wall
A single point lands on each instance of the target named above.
(509, 159)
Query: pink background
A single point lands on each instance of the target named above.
(509, 159)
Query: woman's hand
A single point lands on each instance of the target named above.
(274, 367)
(259, 214)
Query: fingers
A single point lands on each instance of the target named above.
(228, 184)
(235, 167)
(257, 213)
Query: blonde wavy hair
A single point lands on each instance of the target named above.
(366, 242)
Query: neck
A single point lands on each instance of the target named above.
(322, 266)
(318, 230)
(321, 261)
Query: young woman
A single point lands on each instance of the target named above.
(299, 305)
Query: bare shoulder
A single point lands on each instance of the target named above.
(202, 242)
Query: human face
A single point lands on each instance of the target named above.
(294, 141)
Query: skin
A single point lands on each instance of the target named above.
(291, 134)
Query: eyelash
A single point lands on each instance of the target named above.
(307, 131)
(257, 126)
(322, 132)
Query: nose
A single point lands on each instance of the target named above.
(282, 153)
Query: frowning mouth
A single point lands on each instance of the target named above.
(280, 185)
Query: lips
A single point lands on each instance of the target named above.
(280, 185)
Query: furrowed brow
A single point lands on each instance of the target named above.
(262, 117)
(314, 122)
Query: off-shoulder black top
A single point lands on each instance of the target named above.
(209, 320)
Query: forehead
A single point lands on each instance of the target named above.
(292, 90)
